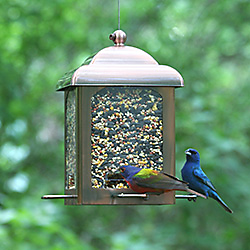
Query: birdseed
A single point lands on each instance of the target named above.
(70, 132)
(126, 129)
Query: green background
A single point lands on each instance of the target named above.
(206, 41)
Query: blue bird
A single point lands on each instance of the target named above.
(197, 179)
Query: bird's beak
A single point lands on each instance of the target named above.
(187, 152)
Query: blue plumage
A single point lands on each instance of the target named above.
(197, 179)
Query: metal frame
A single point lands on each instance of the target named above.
(70, 194)
(84, 191)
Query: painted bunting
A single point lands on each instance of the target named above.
(143, 180)
(197, 179)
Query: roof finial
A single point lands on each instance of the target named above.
(119, 37)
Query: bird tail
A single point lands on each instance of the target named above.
(196, 193)
(215, 196)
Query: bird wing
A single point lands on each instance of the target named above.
(152, 179)
(202, 176)
(175, 178)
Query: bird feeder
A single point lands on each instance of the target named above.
(119, 110)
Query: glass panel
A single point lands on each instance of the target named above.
(126, 130)
(70, 139)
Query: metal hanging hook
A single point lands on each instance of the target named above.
(118, 14)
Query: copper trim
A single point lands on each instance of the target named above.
(125, 66)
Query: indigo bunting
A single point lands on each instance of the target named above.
(197, 179)
(143, 180)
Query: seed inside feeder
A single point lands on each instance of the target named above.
(70, 142)
(126, 129)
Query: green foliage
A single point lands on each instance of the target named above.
(207, 41)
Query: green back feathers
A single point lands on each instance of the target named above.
(66, 78)
(146, 173)
(153, 179)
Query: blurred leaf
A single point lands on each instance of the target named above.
(41, 40)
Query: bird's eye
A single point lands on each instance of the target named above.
(193, 152)
(122, 169)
